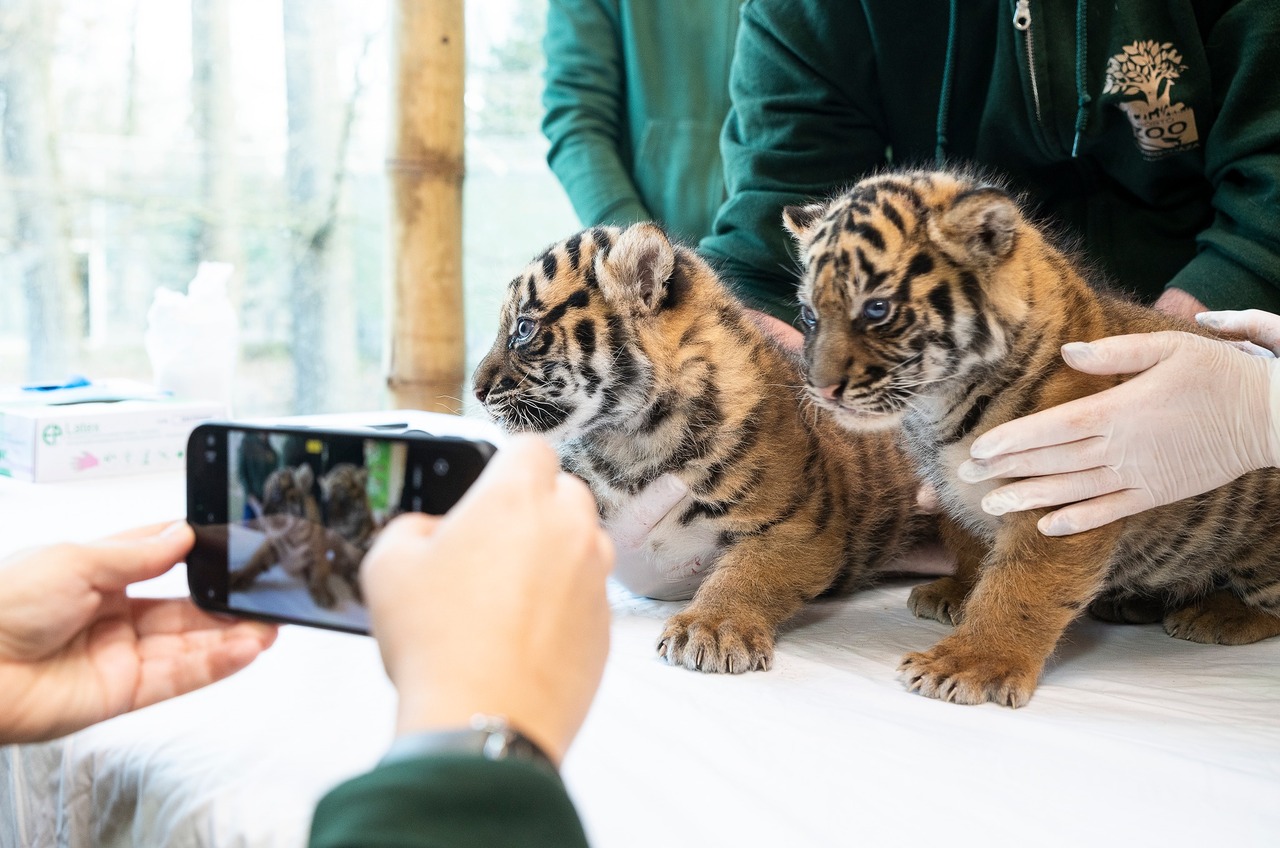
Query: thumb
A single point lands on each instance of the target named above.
(1120, 354)
(111, 564)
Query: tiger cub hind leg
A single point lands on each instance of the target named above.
(943, 599)
(1119, 607)
(1221, 618)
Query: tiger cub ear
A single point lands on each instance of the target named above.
(982, 223)
(635, 271)
(802, 223)
(304, 477)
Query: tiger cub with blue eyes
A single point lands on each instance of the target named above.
(934, 306)
(628, 351)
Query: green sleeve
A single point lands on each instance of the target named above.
(803, 124)
(585, 118)
(1238, 263)
(449, 801)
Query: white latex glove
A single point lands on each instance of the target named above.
(1200, 414)
(675, 573)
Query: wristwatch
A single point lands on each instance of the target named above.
(490, 736)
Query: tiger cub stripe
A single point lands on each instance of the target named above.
(629, 352)
(933, 305)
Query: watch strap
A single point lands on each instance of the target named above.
(489, 736)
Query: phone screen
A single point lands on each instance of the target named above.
(284, 517)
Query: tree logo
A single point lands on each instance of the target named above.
(1148, 70)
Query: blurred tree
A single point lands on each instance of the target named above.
(323, 346)
(217, 236)
(30, 166)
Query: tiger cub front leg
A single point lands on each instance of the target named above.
(730, 624)
(943, 599)
(1028, 591)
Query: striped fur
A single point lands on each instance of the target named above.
(941, 309)
(629, 352)
(295, 537)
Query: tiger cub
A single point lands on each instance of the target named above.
(295, 538)
(932, 304)
(628, 352)
(345, 496)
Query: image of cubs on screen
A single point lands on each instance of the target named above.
(303, 511)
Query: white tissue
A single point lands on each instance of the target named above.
(192, 339)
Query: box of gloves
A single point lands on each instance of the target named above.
(86, 430)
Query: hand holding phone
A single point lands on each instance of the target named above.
(285, 515)
(500, 606)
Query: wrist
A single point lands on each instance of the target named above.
(490, 737)
(435, 711)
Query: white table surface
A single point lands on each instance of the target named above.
(1132, 739)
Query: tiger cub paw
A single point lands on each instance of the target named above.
(1221, 619)
(954, 671)
(717, 643)
(942, 600)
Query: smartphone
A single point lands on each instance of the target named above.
(283, 516)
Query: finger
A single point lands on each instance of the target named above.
(1252, 349)
(1059, 425)
(116, 562)
(525, 457)
(1079, 455)
(1055, 490)
(174, 616)
(1121, 354)
(1096, 512)
(144, 532)
(1261, 327)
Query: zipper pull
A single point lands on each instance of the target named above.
(1022, 16)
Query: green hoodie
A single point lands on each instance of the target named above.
(636, 93)
(1172, 110)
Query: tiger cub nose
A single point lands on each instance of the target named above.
(482, 392)
(829, 392)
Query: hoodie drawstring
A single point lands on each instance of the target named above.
(1082, 83)
(944, 99)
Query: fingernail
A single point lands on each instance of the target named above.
(174, 529)
(1054, 525)
(973, 471)
(1210, 320)
(1079, 351)
(998, 503)
(983, 448)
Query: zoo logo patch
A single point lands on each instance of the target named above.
(1144, 72)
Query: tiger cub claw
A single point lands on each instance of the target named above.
(716, 644)
(941, 600)
(965, 676)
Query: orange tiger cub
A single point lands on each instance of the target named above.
(933, 306)
(627, 351)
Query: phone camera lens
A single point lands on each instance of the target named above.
(440, 467)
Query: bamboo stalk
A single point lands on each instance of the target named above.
(426, 167)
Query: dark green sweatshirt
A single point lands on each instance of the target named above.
(636, 93)
(449, 801)
(1175, 177)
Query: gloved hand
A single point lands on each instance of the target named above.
(664, 575)
(1200, 414)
